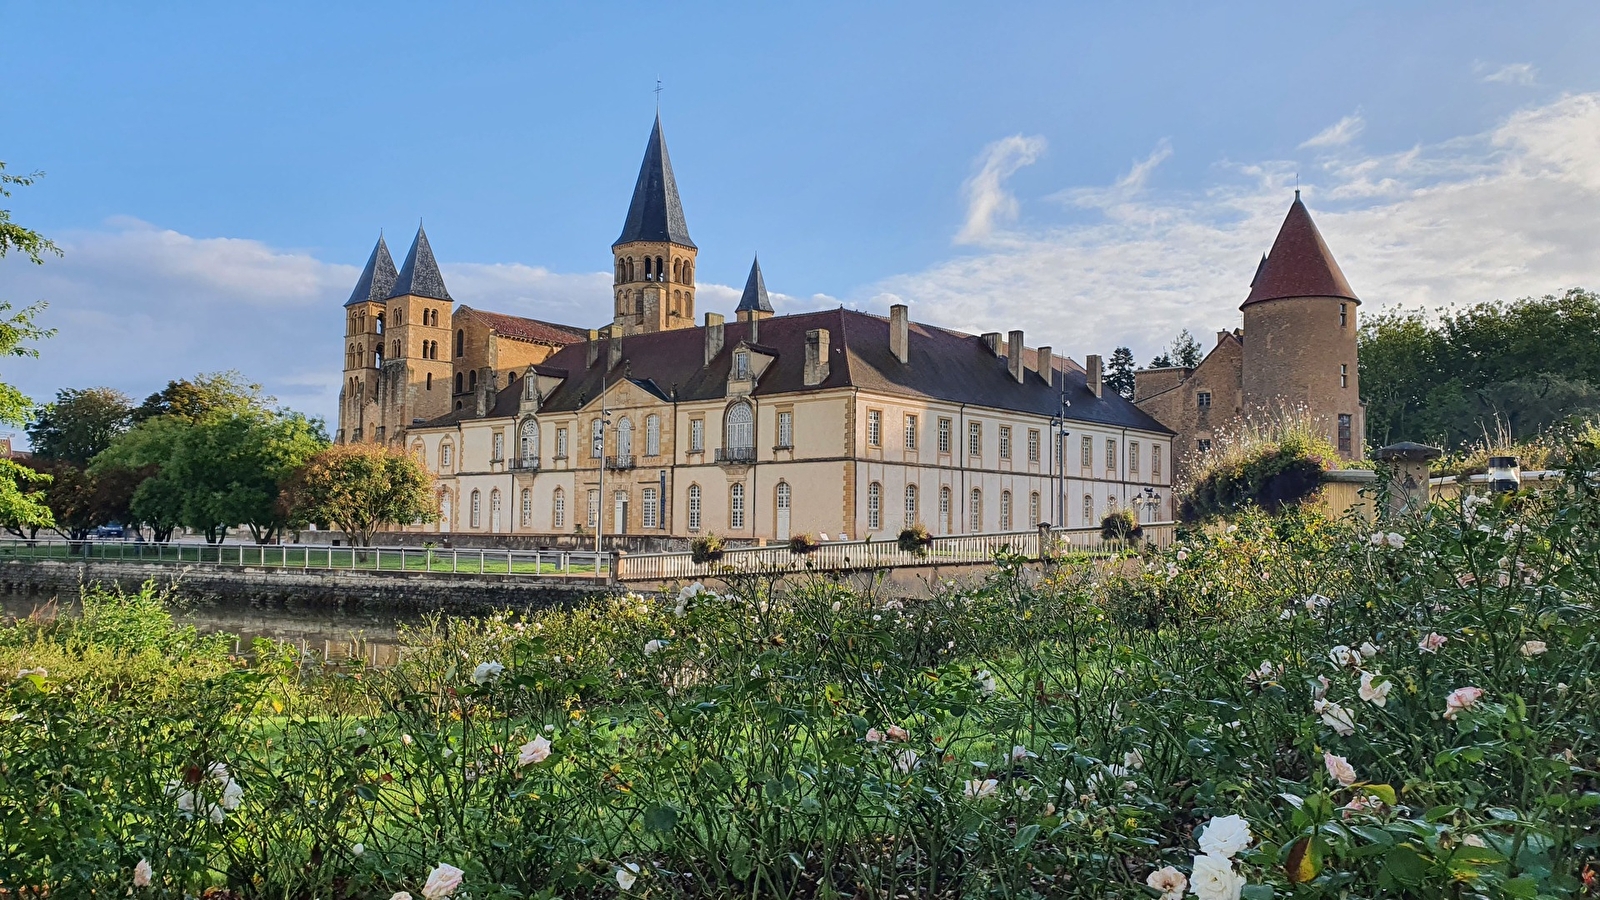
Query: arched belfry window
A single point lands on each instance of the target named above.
(740, 430)
(647, 270)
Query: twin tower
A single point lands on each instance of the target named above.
(412, 356)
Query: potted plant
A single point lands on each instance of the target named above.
(1120, 525)
(915, 539)
(803, 545)
(705, 549)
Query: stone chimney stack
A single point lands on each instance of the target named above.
(991, 339)
(1046, 364)
(613, 352)
(755, 330)
(816, 357)
(1014, 356)
(593, 347)
(1093, 373)
(486, 391)
(900, 332)
(713, 336)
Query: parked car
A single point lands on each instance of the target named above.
(109, 530)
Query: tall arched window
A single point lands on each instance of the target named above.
(527, 507)
(649, 272)
(558, 510)
(944, 510)
(461, 342)
(446, 454)
(528, 442)
(911, 505)
(625, 437)
(740, 431)
(472, 380)
(494, 511)
(1033, 510)
(782, 507)
(976, 513)
(459, 382)
(874, 506)
(677, 270)
(476, 511)
(652, 435)
(694, 507)
(1088, 510)
(396, 352)
(444, 510)
(736, 507)
(430, 381)
(1005, 511)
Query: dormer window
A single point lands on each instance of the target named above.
(741, 364)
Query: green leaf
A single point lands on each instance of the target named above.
(1025, 836)
(1405, 865)
(1256, 892)
(1521, 886)
(661, 818)
(365, 792)
(1383, 792)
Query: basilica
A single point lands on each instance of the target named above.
(665, 423)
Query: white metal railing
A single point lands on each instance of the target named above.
(960, 549)
(323, 557)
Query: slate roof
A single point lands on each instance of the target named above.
(419, 274)
(942, 365)
(656, 213)
(531, 330)
(1300, 263)
(376, 279)
(754, 298)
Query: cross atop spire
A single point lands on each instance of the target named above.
(419, 274)
(376, 279)
(1299, 264)
(656, 213)
(754, 298)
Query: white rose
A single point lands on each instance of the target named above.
(1224, 836)
(1169, 881)
(1376, 693)
(533, 752)
(627, 874)
(653, 647)
(486, 672)
(442, 882)
(142, 874)
(979, 788)
(1215, 879)
(1533, 648)
(1336, 717)
(1133, 759)
(1339, 769)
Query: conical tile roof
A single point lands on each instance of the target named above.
(1300, 263)
(656, 213)
(419, 274)
(754, 298)
(376, 279)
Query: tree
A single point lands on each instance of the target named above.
(230, 470)
(139, 455)
(204, 396)
(79, 424)
(1185, 350)
(21, 500)
(360, 489)
(1119, 372)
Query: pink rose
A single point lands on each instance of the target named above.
(1459, 699)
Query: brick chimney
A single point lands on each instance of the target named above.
(754, 336)
(900, 332)
(1093, 374)
(613, 352)
(816, 357)
(992, 340)
(1014, 356)
(713, 336)
(1046, 364)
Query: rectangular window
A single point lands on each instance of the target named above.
(944, 436)
(785, 428)
(974, 438)
(741, 365)
(651, 508)
(736, 507)
(1203, 445)
(1005, 441)
(1087, 456)
(694, 507)
(1033, 445)
(911, 432)
(527, 508)
(1133, 457)
(1111, 455)
(558, 511)
(1155, 461)
(911, 505)
(1344, 375)
(1005, 510)
(1344, 314)
(652, 436)
(499, 446)
(976, 512)
(874, 506)
(1202, 399)
(874, 428)
(594, 509)
(561, 443)
(697, 435)
(1344, 433)
(445, 453)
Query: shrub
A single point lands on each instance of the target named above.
(803, 545)
(915, 539)
(1120, 525)
(705, 549)
(1273, 465)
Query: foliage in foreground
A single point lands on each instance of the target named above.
(1271, 464)
(1408, 713)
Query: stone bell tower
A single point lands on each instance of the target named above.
(654, 259)
(359, 417)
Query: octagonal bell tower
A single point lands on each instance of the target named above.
(654, 259)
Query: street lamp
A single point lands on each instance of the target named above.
(1149, 502)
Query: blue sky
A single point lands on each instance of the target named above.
(1097, 174)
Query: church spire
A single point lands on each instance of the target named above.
(376, 279)
(754, 298)
(656, 213)
(1299, 264)
(419, 274)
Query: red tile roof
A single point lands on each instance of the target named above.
(1300, 264)
(533, 330)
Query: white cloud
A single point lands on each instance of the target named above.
(1338, 134)
(1504, 213)
(989, 202)
(1513, 73)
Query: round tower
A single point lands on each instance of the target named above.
(1300, 336)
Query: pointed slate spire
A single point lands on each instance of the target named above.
(754, 298)
(376, 279)
(419, 274)
(1299, 264)
(1259, 266)
(656, 213)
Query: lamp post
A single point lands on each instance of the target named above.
(600, 453)
(1058, 423)
(1149, 502)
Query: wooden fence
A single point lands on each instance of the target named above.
(837, 556)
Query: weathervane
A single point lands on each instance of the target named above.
(658, 95)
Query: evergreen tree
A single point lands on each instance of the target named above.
(1119, 372)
